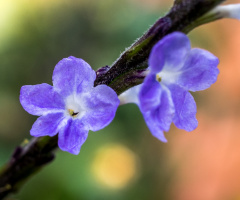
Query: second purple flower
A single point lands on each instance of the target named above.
(174, 70)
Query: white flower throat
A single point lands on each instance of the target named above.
(166, 76)
(74, 106)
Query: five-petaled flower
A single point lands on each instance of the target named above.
(174, 70)
(72, 106)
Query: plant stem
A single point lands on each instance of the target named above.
(25, 161)
(181, 17)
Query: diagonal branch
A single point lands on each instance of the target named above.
(180, 18)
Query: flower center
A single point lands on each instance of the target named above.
(74, 106)
(158, 78)
(72, 113)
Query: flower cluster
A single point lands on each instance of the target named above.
(72, 106)
(174, 70)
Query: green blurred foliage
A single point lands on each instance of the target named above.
(33, 38)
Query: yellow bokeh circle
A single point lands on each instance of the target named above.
(115, 166)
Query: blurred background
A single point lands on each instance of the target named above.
(122, 161)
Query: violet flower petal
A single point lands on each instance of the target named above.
(199, 71)
(169, 52)
(101, 104)
(41, 99)
(185, 108)
(73, 75)
(150, 93)
(72, 136)
(160, 118)
(47, 125)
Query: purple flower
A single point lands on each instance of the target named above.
(174, 70)
(72, 106)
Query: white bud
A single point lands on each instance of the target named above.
(228, 11)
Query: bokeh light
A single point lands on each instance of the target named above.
(115, 166)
